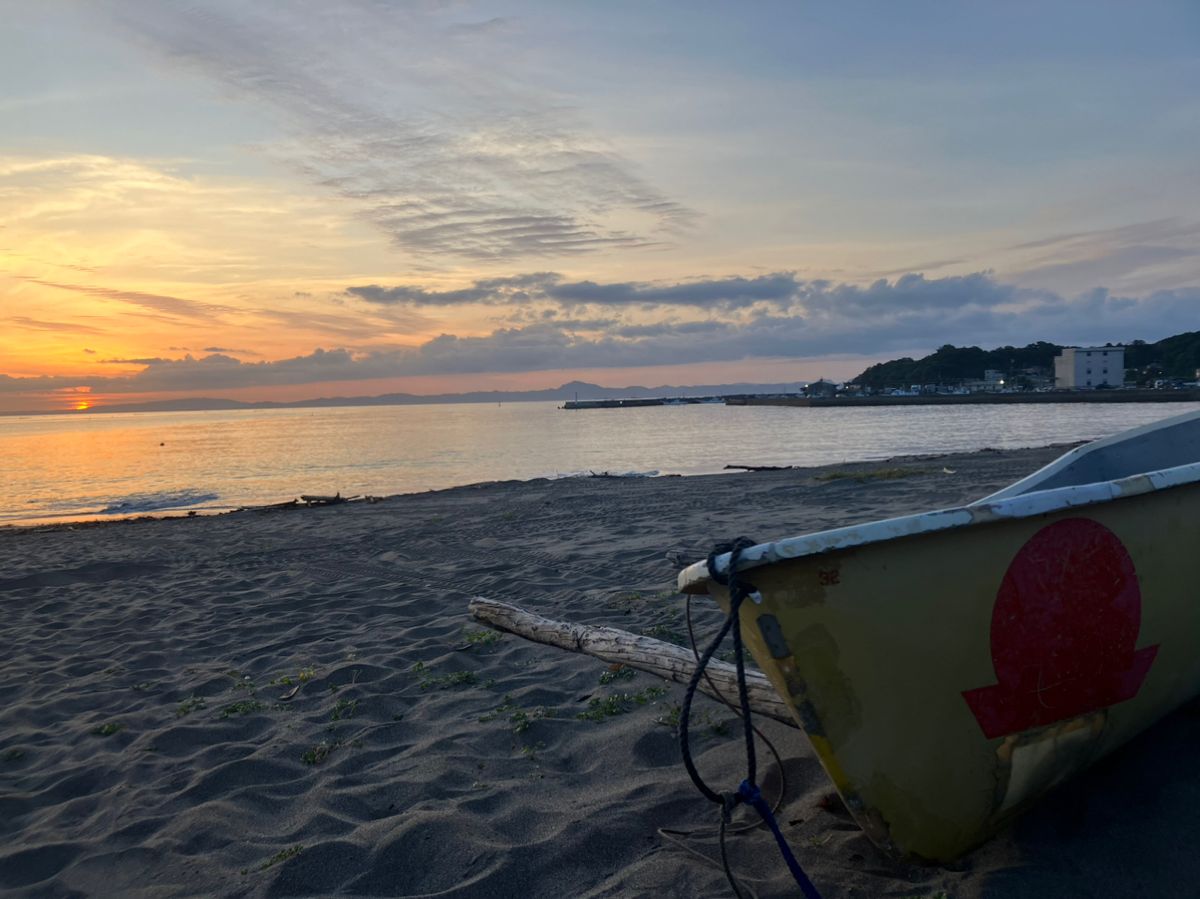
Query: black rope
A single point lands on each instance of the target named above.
(731, 623)
(725, 860)
(737, 595)
(716, 692)
(739, 885)
(748, 792)
(740, 660)
(685, 714)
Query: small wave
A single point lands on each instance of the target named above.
(156, 502)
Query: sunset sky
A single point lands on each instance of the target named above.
(344, 197)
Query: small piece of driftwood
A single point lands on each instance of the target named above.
(666, 660)
(315, 500)
(760, 467)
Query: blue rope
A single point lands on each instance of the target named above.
(749, 794)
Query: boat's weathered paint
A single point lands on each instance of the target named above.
(951, 667)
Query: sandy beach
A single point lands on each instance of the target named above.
(295, 703)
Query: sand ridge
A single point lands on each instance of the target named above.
(295, 703)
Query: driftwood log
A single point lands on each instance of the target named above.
(666, 660)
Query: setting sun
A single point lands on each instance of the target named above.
(82, 406)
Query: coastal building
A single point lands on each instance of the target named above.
(821, 388)
(992, 382)
(1035, 377)
(1102, 366)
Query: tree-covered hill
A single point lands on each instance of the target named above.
(1178, 356)
(1171, 357)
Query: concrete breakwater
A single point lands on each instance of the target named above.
(1056, 396)
(643, 401)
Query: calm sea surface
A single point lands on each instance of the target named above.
(65, 467)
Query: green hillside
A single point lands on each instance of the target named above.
(1171, 357)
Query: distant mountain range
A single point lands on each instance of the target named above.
(1177, 356)
(570, 391)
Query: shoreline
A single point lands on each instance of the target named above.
(168, 468)
(295, 504)
(847, 401)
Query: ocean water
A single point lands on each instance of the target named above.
(81, 467)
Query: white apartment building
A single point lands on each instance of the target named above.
(1093, 366)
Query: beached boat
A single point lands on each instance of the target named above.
(951, 667)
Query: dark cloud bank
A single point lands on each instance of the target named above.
(773, 316)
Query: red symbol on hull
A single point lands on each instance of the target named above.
(1064, 628)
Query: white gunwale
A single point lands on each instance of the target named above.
(1019, 500)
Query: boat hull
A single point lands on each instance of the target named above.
(948, 679)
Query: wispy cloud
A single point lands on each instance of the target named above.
(354, 327)
(113, 218)
(147, 360)
(1138, 232)
(920, 267)
(724, 293)
(228, 351)
(167, 305)
(34, 324)
(444, 147)
(1155, 254)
